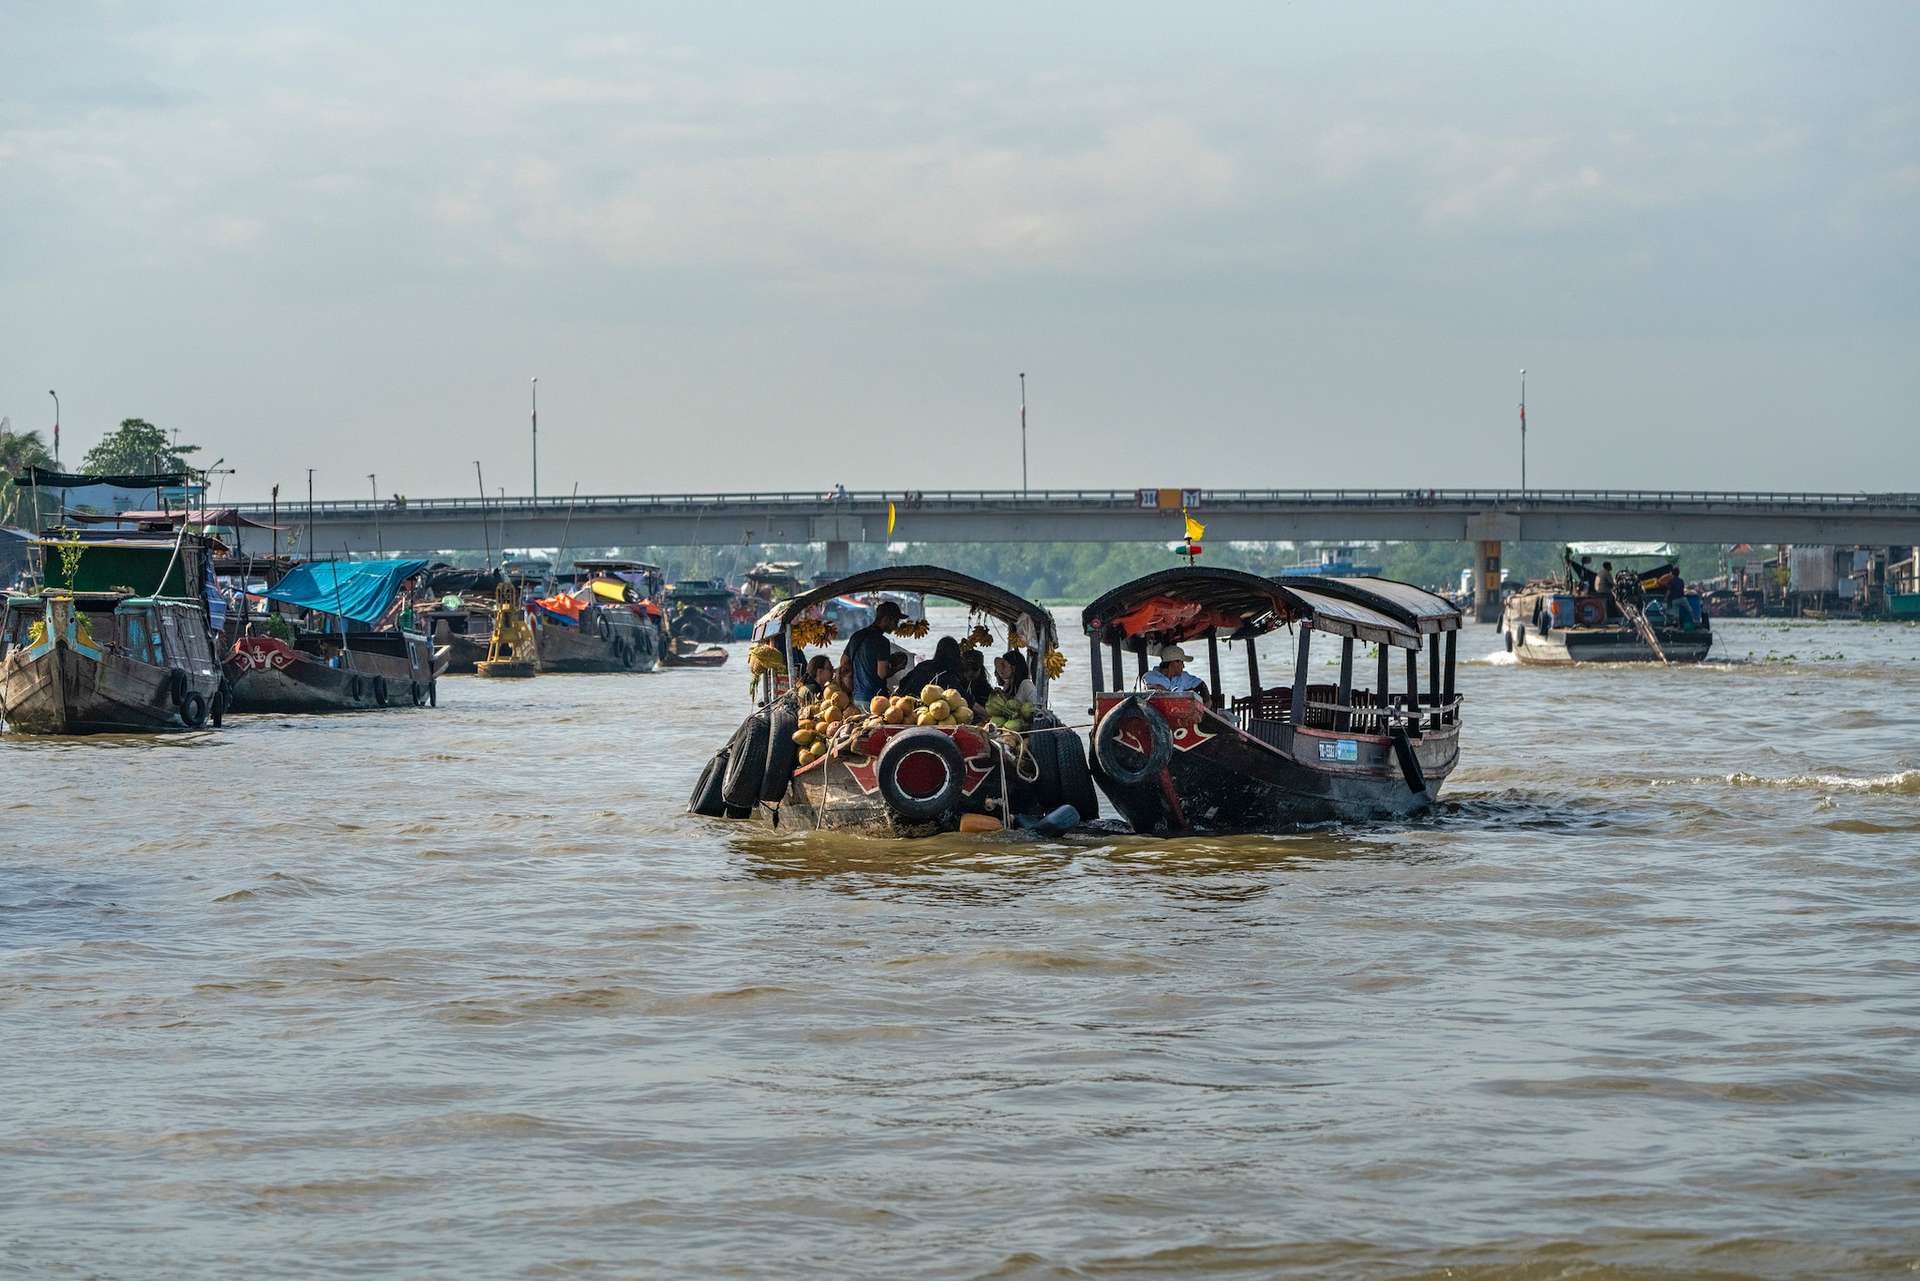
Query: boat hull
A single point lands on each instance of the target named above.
(1566, 645)
(61, 690)
(628, 646)
(268, 675)
(682, 654)
(1222, 779)
(840, 795)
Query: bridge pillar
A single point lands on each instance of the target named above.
(1486, 580)
(838, 557)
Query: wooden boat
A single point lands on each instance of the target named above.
(89, 655)
(604, 620)
(1281, 755)
(334, 643)
(699, 610)
(87, 663)
(1553, 622)
(683, 653)
(899, 779)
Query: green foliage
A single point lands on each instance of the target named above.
(136, 447)
(19, 450)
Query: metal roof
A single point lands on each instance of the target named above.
(1260, 604)
(996, 602)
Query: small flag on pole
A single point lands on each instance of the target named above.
(1195, 530)
(891, 515)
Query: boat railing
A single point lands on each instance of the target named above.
(1364, 715)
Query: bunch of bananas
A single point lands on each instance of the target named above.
(1014, 639)
(978, 638)
(913, 628)
(808, 633)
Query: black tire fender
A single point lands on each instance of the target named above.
(782, 752)
(1520, 634)
(1107, 748)
(433, 693)
(177, 687)
(415, 693)
(380, 691)
(1076, 780)
(915, 806)
(355, 688)
(602, 627)
(706, 800)
(1045, 750)
(193, 709)
(747, 763)
(1508, 637)
(217, 711)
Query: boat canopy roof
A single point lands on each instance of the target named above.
(1174, 605)
(617, 565)
(1033, 622)
(1417, 607)
(48, 478)
(1664, 551)
(358, 590)
(228, 517)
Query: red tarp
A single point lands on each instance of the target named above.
(1174, 618)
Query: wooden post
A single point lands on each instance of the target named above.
(1413, 691)
(1213, 665)
(1382, 686)
(1253, 668)
(1143, 658)
(1433, 675)
(1345, 722)
(1119, 681)
(1453, 640)
(1299, 708)
(1099, 685)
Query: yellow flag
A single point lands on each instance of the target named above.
(890, 516)
(1195, 530)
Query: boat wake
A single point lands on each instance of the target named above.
(1904, 783)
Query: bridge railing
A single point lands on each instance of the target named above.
(1115, 499)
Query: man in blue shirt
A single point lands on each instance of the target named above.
(1172, 674)
(870, 652)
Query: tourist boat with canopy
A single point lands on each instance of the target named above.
(604, 618)
(1281, 755)
(117, 640)
(1649, 617)
(910, 763)
(363, 652)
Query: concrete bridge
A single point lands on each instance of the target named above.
(1487, 517)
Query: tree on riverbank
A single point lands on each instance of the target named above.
(136, 447)
(19, 450)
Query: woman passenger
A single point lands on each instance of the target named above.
(1012, 672)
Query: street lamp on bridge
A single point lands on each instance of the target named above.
(536, 438)
(379, 539)
(56, 425)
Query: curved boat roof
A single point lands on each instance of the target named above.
(1415, 606)
(1178, 604)
(997, 602)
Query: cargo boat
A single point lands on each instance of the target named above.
(360, 656)
(1643, 620)
(1282, 755)
(604, 620)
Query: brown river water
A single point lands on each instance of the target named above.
(464, 993)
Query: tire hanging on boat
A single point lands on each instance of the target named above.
(413, 692)
(1044, 748)
(355, 689)
(747, 764)
(193, 709)
(177, 687)
(1076, 780)
(918, 797)
(602, 627)
(706, 800)
(782, 752)
(1107, 747)
(380, 691)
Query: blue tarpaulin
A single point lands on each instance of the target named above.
(358, 590)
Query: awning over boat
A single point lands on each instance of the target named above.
(1033, 622)
(1417, 607)
(47, 478)
(228, 517)
(358, 590)
(1664, 550)
(1177, 605)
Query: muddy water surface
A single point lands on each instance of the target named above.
(465, 994)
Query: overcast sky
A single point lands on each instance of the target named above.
(780, 246)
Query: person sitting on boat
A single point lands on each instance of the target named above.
(1603, 582)
(1581, 577)
(870, 653)
(1172, 674)
(943, 669)
(819, 673)
(1016, 679)
(974, 681)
